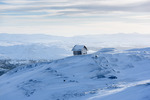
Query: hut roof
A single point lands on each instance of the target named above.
(79, 47)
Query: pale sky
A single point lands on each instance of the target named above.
(74, 17)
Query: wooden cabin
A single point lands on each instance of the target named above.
(79, 50)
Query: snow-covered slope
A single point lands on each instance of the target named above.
(38, 46)
(33, 47)
(33, 52)
(108, 73)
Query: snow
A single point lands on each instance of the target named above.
(38, 46)
(33, 52)
(135, 91)
(109, 74)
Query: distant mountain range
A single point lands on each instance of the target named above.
(39, 46)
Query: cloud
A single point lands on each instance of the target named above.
(74, 16)
(142, 17)
(76, 7)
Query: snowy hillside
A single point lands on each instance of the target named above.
(33, 52)
(22, 46)
(108, 73)
(32, 47)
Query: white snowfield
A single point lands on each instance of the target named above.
(37, 47)
(108, 74)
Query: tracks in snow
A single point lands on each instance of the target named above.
(119, 88)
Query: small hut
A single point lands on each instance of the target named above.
(79, 50)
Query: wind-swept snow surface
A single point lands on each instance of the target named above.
(108, 74)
